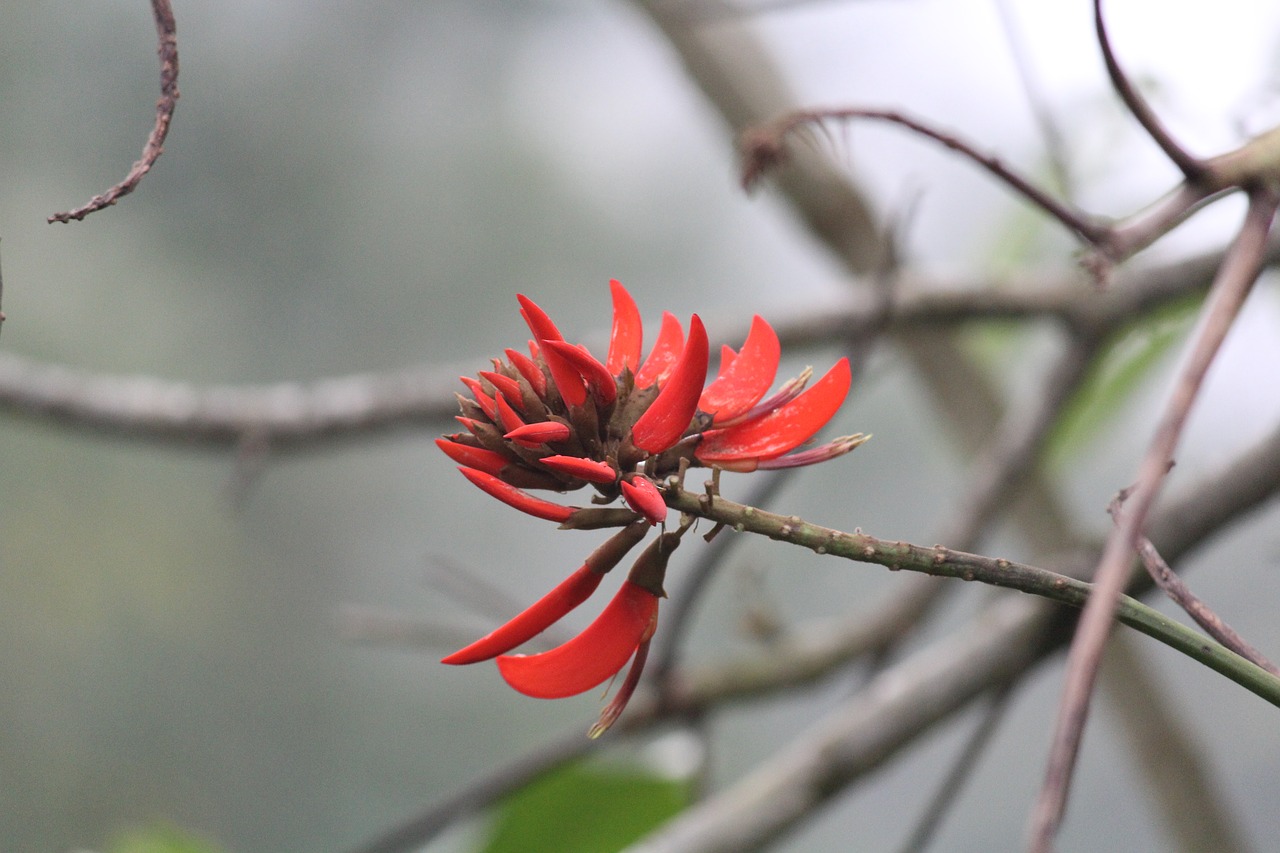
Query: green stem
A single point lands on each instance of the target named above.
(944, 562)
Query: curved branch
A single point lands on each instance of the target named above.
(1193, 169)
(167, 32)
(762, 148)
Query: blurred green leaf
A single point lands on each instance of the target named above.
(162, 838)
(581, 810)
(1127, 360)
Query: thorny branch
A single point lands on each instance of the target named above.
(167, 33)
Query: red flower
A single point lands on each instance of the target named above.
(559, 419)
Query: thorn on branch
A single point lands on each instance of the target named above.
(166, 29)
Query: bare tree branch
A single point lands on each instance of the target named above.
(1190, 167)
(167, 32)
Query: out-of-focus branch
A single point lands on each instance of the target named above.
(1165, 753)
(765, 147)
(1191, 168)
(285, 416)
(1240, 269)
(298, 415)
(167, 32)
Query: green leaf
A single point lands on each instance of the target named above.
(1126, 361)
(582, 810)
(161, 838)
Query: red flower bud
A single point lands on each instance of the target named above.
(585, 469)
(643, 496)
(533, 435)
(512, 496)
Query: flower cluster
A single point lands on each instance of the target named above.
(559, 419)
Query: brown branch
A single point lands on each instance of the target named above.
(166, 29)
(762, 149)
(1192, 168)
(1240, 269)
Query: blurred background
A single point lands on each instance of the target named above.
(351, 188)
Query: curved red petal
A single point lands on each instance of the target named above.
(521, 500)
(598, 378)
(643, 496)
(627, 335)
(539, 616)
(727, 355)
(782, 429)
(665, 353)
(488, 461)
(593, 656)
(672, 410)
(744, 382)
(567, 380)
(585, 469)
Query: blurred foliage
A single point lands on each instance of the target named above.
(1127, 361)
(585, 810)
(162, 838)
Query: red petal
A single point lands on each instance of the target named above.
(643, 496)
(571, 592)
(508, 387)
(598, 378)
(627, 336)
(672, 411)
(782, 429)
(566, 378)
(532, 435)
(484, 460)
(727, 355)
(666, 351)
(529, 370)
(512, 496)
(741, 385)
(593, 656)
(586, 469)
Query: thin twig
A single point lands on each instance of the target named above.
(1176, 588)
(953, 783)
(1190, 167)
(1054, 144)
(1240, 269)
(763, 147)
(167, 32)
